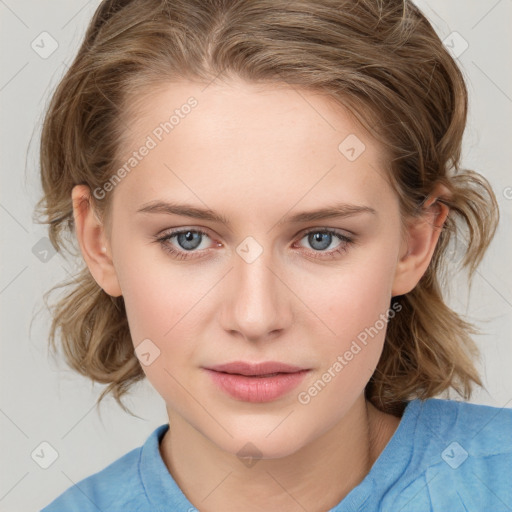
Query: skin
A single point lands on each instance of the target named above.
(258, 155)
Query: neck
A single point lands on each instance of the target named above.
(316, 477)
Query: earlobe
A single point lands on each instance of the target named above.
(422, 236)
(93, 241)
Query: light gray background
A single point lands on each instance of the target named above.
(42, 400)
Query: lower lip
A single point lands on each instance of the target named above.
(257, 389)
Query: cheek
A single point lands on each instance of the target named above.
(152, 306)
(163, 306)
(164, 316)
(156, 292)
(355, 309)
(353, 296)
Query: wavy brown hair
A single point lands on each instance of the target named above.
(380, 59)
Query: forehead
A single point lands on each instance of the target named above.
(241, 136)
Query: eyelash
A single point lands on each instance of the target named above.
(184, 255)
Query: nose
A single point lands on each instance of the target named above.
(257, 302)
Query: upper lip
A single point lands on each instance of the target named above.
(264, 368)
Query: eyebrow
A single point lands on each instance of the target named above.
(186, 210)
(339, 210)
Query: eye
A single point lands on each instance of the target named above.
(187, 241)
(185, 244)
(321, 239)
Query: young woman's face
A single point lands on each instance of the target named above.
(267, 282)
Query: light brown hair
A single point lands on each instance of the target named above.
(381, 59)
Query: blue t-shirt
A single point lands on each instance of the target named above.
(444, 456)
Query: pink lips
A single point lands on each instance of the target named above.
(261, 382)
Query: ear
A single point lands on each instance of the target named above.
(93, 241)
(421, 239)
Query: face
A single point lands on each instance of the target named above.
(258, 282)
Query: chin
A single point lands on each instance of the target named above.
(259, 444)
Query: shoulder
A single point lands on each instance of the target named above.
(485, 429)
(461, 456)
(113, 488)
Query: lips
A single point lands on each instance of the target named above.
(256, 382)
(267, 368)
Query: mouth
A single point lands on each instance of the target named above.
(263, 369)
(260, 382)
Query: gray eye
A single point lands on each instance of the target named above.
(189, 240)
(319, 240)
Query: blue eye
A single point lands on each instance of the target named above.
(188, 243)
(323, 239)
(320, 239)
(188, 240)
